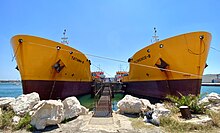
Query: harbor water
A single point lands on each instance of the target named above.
(15, 90)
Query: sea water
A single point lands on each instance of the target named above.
(10, 89)
(15, 90)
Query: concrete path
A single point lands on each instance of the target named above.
(89, 124)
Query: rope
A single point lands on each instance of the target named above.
(215, 49)
(116, 60)
(15, 53)
(144, 65)
(101, 70)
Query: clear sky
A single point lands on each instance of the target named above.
(109, 28)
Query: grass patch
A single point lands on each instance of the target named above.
(215, 118)
(172, 107)
(6, 119)
(24, 123)
(137, 123)
(7, 124)
(171, 124)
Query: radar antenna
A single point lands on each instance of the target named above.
(64, 38)
(155, 37)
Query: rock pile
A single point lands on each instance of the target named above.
(24, 103)
(212, 102)
(133, 105)
(130, 104)
(5, 102)
(43, 113)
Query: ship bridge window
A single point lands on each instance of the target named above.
(93, 74)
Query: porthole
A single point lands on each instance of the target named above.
(58, 47)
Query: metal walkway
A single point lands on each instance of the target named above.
(103, 106)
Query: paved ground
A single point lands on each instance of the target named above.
(89, 124)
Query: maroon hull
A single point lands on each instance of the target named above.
(160, 89)
(56, 89)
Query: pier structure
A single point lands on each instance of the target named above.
(103, 93)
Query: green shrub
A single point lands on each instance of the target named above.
(190, 100)
(24, 122)
(6, 119)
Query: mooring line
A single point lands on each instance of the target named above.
(116, 60)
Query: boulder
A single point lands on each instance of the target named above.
(48, 112)
(5, 101)
(36, 107)
(84, 111)
(16, 119)
(146, 105)
(160, 110)
(215, 109)
(130, 104)
(25, 103)
(205, 100)
(213, 97)
(198, 119)
(72, 108)
(211, 102)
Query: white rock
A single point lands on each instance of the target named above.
(217, 104)
(5, 101)
(213, 97)
(146, 105)
(84, 111)
(49, 112)
(205, 100)
(16, 119)
(159, 105)
(25, 103)
(198, 119)
(215, 109)
(90, 113)
(130, 104)
(160, 110)
(72, 108)
(36, 107)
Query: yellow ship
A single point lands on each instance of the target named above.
(171, 66)
(52, 69)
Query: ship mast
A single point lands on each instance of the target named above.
(155, 37)
(64, 38)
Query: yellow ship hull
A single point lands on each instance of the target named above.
(52, 69)
(169, 67)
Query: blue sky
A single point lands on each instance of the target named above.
(108, 28)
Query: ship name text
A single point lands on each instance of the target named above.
(142, 58)
(78, 60)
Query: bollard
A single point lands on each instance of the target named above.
(185, 112)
